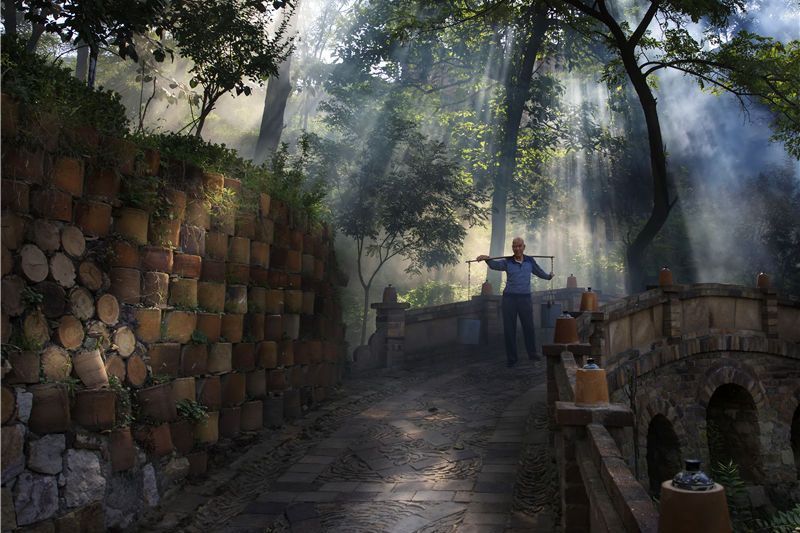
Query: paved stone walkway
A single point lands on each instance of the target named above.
(432, 450)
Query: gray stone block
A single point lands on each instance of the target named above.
(35, 498)
(45, 454)
(85, 480)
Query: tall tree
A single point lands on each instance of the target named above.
(278, 90)
(107, 24)
(531, 32)
(677, 49)
(407, 199)
(231, 45)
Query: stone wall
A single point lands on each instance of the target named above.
(112, 314)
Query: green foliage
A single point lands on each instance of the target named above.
(433, 293)
(727, 474)
(231, 44)
(124, 402)
(198, 337)
(160, 379)
(781, 522)
(97, 24)
(192, 411)
(31, 298)
(46, 89)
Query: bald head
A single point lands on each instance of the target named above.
(518, 246)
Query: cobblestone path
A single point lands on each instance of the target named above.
(431, 450)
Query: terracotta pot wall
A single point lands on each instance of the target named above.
(215, 304)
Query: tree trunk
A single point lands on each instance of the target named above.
(33, 40)
(658, 165)
(92, 74)
(202, 120)
(364, 315)
(82, 62)
(278, 91)
(517, 87)
(10, 20)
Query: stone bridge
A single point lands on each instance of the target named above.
(709, 371)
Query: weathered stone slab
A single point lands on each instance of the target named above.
(695, 315)
(644, 329)
(13, 458)
(149, 486)
(748, 314)
(45, 454)
(789, 323)
(619, 335)
(35, 498)
(85, 482)
(8, 517)
(721, 312)
(24, 405)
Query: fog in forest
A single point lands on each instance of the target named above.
(721, 162)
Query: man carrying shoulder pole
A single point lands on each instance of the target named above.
(517, 297)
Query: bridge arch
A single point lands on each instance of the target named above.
(729, 372)
(663, 452)
(733, 431)
(669, 428)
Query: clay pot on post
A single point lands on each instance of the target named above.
(591, 387)
(762, 281)
(665, 277)
(572, 282)
(692, 502)
(589, 301)
(566, 330)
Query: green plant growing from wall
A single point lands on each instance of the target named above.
(124, 404)
(781, 522)
(31, 298)
(192, 411)
(727, 474)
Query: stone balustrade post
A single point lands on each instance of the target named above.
(391, 318)
(489, 313)
(673, 315)
(769, 313)
(597, 339)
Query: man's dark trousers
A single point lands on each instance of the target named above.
(518, 305)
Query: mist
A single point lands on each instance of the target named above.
(714, 147)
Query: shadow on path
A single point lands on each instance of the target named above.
(457, 447)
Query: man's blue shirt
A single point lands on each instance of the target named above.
(518, 275)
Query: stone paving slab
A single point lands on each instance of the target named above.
(413, 451)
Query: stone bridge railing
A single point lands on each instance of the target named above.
(599, 492)
(406, 337)
(653, 320)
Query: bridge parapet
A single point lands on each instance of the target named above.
(666, 315)
(599, 492)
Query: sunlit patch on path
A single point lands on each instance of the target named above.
(430, 450)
